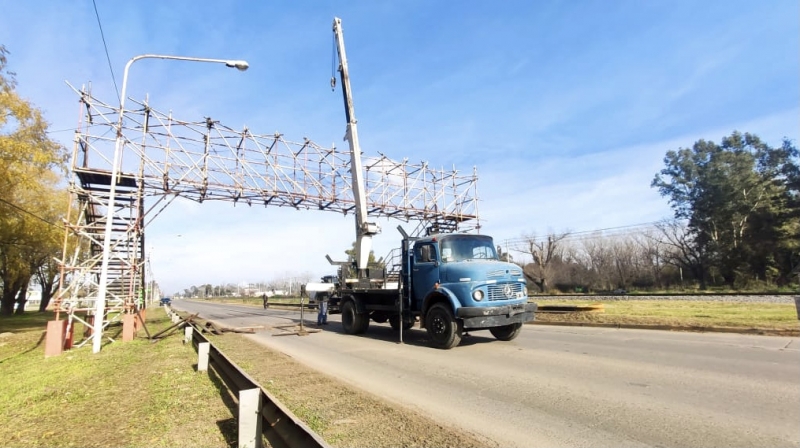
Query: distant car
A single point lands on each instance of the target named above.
(166, 301)
(619, 292)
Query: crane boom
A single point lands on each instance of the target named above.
(365, 230)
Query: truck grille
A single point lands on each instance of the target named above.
(504, 291)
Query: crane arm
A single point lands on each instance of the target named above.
(365, 230)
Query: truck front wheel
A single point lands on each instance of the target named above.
(506, 332)
(353, 322)
(444, 330)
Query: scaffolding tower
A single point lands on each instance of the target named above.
(164, 158)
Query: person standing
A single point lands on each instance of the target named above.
(322, 308)
(265, 299)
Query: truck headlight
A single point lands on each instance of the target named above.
(477, 295)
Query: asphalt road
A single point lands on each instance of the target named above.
(563, 386)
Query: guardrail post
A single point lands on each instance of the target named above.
(187, 334)
(202, 356)
(175, 318)
(250, 418)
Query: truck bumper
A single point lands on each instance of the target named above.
(475, 317)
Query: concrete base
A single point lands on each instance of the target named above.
(128, 327)
(56, 335)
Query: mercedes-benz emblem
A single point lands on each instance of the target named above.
(507, 291)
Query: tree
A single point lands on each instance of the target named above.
(739, 199)
(624, 256)
(654, 253)
(29, 161)
(544, 253)
(599, 262)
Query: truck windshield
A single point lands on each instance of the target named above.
(468, 247)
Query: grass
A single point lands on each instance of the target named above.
(769, 318)
(772, 318)
(143, 394)
(133, 394)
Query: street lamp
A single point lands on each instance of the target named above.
(100, 306)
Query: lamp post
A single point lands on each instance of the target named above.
(100, 306)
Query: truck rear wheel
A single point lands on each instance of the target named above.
(353, 322)
(444, 330)
(506, 332)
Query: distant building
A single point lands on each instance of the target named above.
(34, 300)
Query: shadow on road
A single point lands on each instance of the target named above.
(381, 332)
(415, 336)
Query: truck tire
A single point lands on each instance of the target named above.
(506, 332)
(353, 322)
(363, 323)
(394, 321)
(444, 330)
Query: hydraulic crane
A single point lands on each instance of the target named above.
(365, 230)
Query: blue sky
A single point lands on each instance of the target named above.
(566, 108)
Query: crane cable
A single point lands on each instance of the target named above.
(333, 63)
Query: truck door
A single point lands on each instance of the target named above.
(424, 271)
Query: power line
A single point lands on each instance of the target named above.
(116, 89)
(73, 129)
(585, 233)
(15, 206)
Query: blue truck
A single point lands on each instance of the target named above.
(450, 283)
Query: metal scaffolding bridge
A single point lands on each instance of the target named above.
(164, 158)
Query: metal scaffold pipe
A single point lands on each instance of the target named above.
(100, 305)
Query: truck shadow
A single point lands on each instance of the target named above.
(381, 332)
(416, 336)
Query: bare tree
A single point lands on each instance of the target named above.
(600, 262)
(624, 254)
(683, 252)
(545, 253)
(653, 252)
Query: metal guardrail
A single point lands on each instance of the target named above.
(273, 421)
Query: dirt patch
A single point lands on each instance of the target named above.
(340, 414)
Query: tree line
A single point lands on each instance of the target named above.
(287, 284)
(736, 225)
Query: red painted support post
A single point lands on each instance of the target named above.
(88, 331)
(54, 341)
(128, 327)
